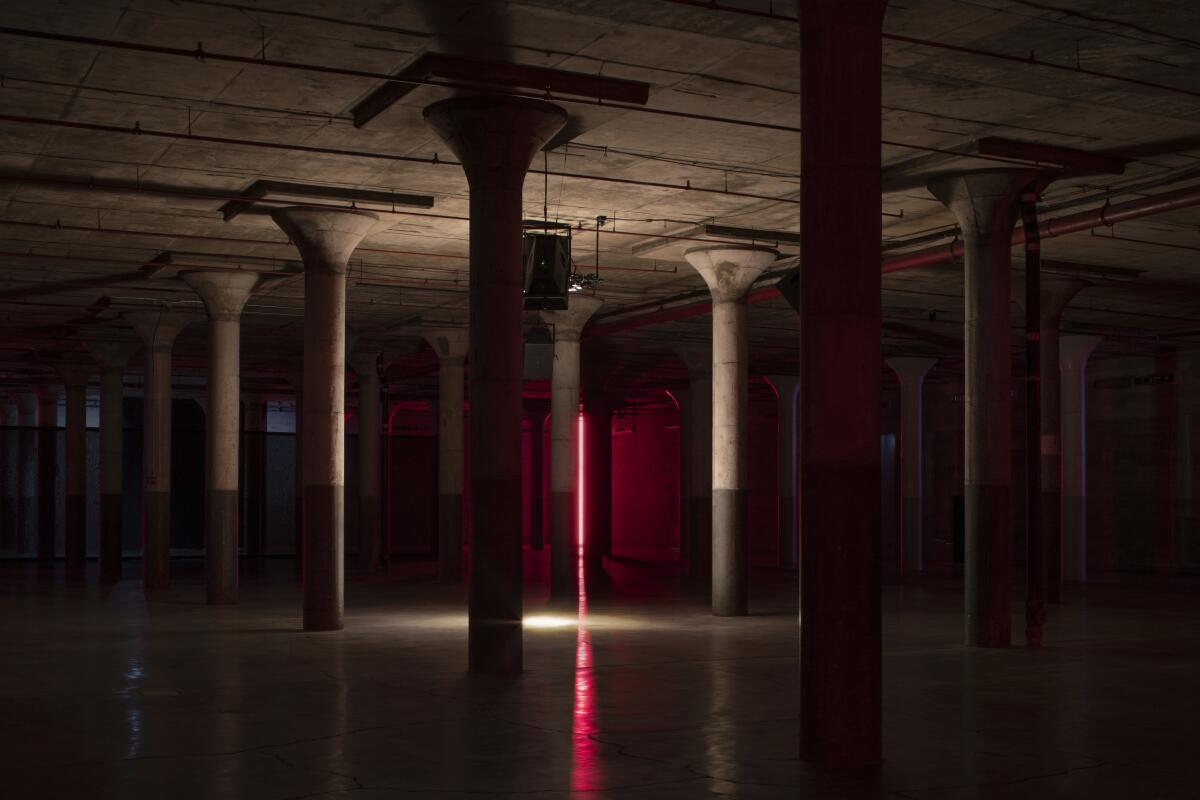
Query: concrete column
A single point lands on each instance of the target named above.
(75, 378)
(296, 380)
(8, 421)
(787, 387)
(698, 359)
(597, 477)
(26, 469)
(536, 412)
(912, 372)
(450, 344)
(495, 138)
(1073, 357)
(158, 330)
(729, 271)
(370, 423)
(325, 240)
(840, 332)
(47, 470)
(1056, 293)
(254, 481)
(565, 545)
(983, 202)
(224, 295)
(111, 356)
(683, 403)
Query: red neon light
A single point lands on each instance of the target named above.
(585, 763)
(579, 488)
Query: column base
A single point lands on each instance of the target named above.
(564, 552)
(1074, 546)
(370, 544)
(1051, 520)
(495, 607)
(75, 507)
(730, 595)
(912, 546)
(221, 547)
(788, 545)
(299, 546)
(156, 540)
(495, 647)
(323, 558)
(700, 559)
(988, 566)
(450, 518)
(110, 538)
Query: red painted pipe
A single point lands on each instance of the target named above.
(1107, 216)
(672, 314)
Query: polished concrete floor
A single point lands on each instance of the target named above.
(106, 696)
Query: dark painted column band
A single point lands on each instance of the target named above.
(563, 552)
(988, 595)
(221, 526)
(730, 596)
(700, 520)
(372, 558)
(110, 537)
(46, 468)
(323, 558)
(496, 590)
(75, 507)
(537, 480)
(450, 514)
(156, 539)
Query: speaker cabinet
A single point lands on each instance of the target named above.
(547, 271)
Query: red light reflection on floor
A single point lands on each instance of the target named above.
(585, 770)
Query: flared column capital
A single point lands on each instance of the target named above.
(730, 270)
(1056, 291)
(910, 370)
(160, 327)
(450, 344)
(495, 134)
(982, 200)
(569, 324)
(45, 393)
(224, 292)
(1075, 349)
(325, 238)
(112, 353)
(365, 361)
(75, 373)
(697, 358)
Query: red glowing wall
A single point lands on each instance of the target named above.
(646, 485)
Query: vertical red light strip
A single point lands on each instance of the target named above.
(585, 773)
(580, 483)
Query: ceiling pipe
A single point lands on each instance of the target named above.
(1107, 216)
(67, 184)
(62, 226)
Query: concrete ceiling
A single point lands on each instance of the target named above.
(85, 202)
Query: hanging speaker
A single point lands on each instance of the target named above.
(547, 271)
